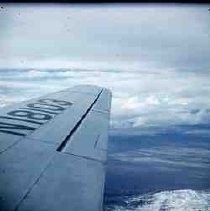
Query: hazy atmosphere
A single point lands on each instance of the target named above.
(155, 60)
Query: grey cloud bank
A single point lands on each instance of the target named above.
(165, 36)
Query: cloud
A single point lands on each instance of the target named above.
(183, 199)
(153, 34)
(151, 58)
(140, 98)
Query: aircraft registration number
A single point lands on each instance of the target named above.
(23, 120)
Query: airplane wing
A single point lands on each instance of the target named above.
(53, 151)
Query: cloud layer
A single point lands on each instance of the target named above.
(156, 34)
(140, 98)
(153, 58)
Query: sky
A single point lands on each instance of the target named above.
(154, 58)
(136, 35)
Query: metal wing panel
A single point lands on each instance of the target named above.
(62, 124)
(104, 102)
(90, 137)
(27, 117)
(20, 166)
(69, 183)
(59, 163)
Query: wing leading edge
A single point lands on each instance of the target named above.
(53, 151)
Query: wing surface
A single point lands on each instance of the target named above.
(53, 151)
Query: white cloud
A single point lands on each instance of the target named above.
(140, 98)
(186, 199)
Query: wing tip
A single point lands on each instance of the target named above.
(91, 86)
